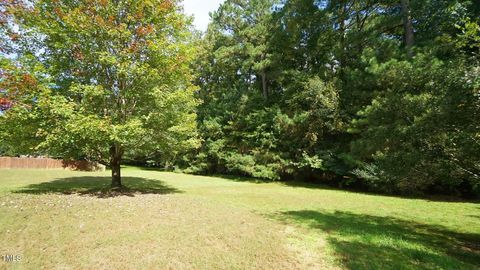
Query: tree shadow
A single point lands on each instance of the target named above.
(238, 178)
(353, 190)
(425, 197)
(98, 186)
(372, 242)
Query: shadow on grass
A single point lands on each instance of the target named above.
(324, 186)
(237, 178)
(372, 242)
(142, 168)
(99, 187)
(426, 197)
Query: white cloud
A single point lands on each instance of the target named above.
(200, 9)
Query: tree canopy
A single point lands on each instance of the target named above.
(108, 79)
(380, 95)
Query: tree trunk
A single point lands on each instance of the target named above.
(115, 160)
(408, 27)
(264, 86)
(342, 29)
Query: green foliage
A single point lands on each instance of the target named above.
(343, 92)
(116, 80)
(420, 132)
(325, 90)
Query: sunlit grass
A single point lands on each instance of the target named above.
(64, 219)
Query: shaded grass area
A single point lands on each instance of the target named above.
(99, 186)
(64, 219)
(325, 186)
(374, 242)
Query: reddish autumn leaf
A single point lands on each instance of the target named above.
(5, 104)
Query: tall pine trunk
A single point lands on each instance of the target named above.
(408, 27)
(115, 160)
(264, 85)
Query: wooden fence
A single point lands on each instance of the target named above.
(48, 163)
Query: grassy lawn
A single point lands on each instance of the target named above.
(68, 220)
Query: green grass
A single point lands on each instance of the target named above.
(71, 220)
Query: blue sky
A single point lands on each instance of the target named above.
(200, 9)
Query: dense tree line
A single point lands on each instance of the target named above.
(382, 95)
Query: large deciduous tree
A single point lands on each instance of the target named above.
(113, 77)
